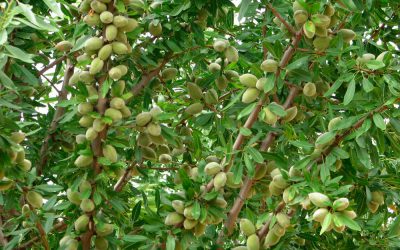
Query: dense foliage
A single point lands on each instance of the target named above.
(199, 124)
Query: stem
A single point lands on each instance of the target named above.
(28, 244)
(287, 25)
(51, 65)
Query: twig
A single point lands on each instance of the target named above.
(69, 70)
(264, 230)
(52, 64)
(124, 178)
(42, 235)
(276, 13)
(28, 244)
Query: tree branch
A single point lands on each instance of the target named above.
(69, 70)
(28, 244)
(287, 25)
(52, 64)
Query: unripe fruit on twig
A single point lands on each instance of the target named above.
(365, 58)
(173, 218)
(221, 83)
(86, 77)
(194, 109)
(373, 206)
(91, 134)
(300, 17)
(73, 197)
(120, 21)
(118, 88)
(306, 204)
(114, 114)
(220, 45)
(143, 140)
(220, 202)
(211, 96)
(81, 224)
(85, 187)
(74, 79)
(123, 69)
(339, 229)
(92, 20)
(329, 10)
(87, 205)
(231, 75)
(271, 239)
(106, 17)
(290, 114)
(111, 32)
(130, 26)
(270, 118)
(101, 243)
(321, 32)
(85, 108)
(169, 74)
(297, 6)
(26, 165)
(110, 153)
(350, 214)
(64, 46)
(143, 119)
(148, 153)
(117, 103)
(319, 214)
(319, 200)
(153, 129)
(348, 35)
(98, 125)
(86, 121)
(321, 20)
(232, 54)
(165, 158)
(230, 181)
(319, 145)
(377, 196)
(83, 161)
(6, 184)
(104, 230)
(278, 230)
(248, 80)
(93, 43)
(247, 227)
(17, 137)
(214, 67)
(333, 122)
(293, 172)
(309, 29)
(115, 73)
(96, 66)
(250, 95)
(260, 172)
(253, 242)
(98, 6)
(340, 204)
(269, 65)
(219, 180)
(155, 28)
(34, 199)
(178, 205)
(25, 210)
(199, 229)
(279, 181)
(212, 168)
(119, 48)
(260, 83)
(283, 220)
(309, 89)
(321, 43)
(189, 224)
(194, 91)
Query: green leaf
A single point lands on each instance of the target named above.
(245, 131)
(196, 210)
(374, 64)
(379, 122)
(6, 81)
(277, 109)
(298, 63)
(244, 7)
(49, 188)
(326, 223)
(333, 88)
(54, 6)
(170, 242)
(19, 54)
(255, 154)
(134, 238)
(348, 97)
(270, 83)
(367, 85)
(325, 138)
(136, 211)
(246, 111)
(348, 222)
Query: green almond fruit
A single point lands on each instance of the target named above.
(321, 43)
(178, 205)
(293, 172)
(84, 7)
(321, 32)
(350, 214)
(148, 153)
(104, 229)
(260, 172)
(155, 28)
(187, 212)
(230, 181)
(91, 134)
(269, 65)
(115, 73)
(87, 205)
(341, 204)
(111, 32)
(250, 95)
(290, 114)
(232, 54)
(64, 46)
(34, 199)
(247, 227)
(248, 80)
(300, 17)
(220, 202)
(165, 158)
(85, 187)
(120, 48)
(319, 200)
(114, 114)
(26, 210)
(117, 103)
(339, 229)
(110, 153)
(194, 91)
(297, 6)
(309, 89)
(123, 69)
(332, 123)
(373, 206)
(118, 88)
(96, 66)
(98, 6)
(253, 242)
(211, 97)
(143, 119)
(86, 121)
(92, 19)
(163, 149)
(155, 112)
(120, 21)
(319, 214)
(378, 197)
(219, 180)
(130, 26)
(194, 109)
(212, 168)
(329, 10)
(309, 29)
(86, 77)
(278, 230)
(121, 37)
(6, 184)
(347, 34)
(270, 118)
(106, 17)
(221, 83)
(169, 74)
(73, 197)
(189, 224)
(26, 165)
(320, 20)
(17, 137)
(220, 45)
(214, 67)
(280, 181)
(93, 44)
(274, 190)
(83, 161)
(98, 125)
(271, 240)
(283, 220)
(81, 224)
(126, 112)
(101, 243)
(85, 108)
(173, 218)
(199, 230)
(143, 140)
(74, 79)
(153, 129)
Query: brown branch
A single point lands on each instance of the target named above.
(3, 239)
(69, 70)
(42, 235)
(123, 180)
(52, 64)
(264, 230)
(287, 25)
(28, 244)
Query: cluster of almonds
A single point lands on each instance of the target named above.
(152, 143)
(377, 199)
(229, 54)
(17, 156)
(325, 207)
(81, 224)
(318, 26)
(362, 60)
